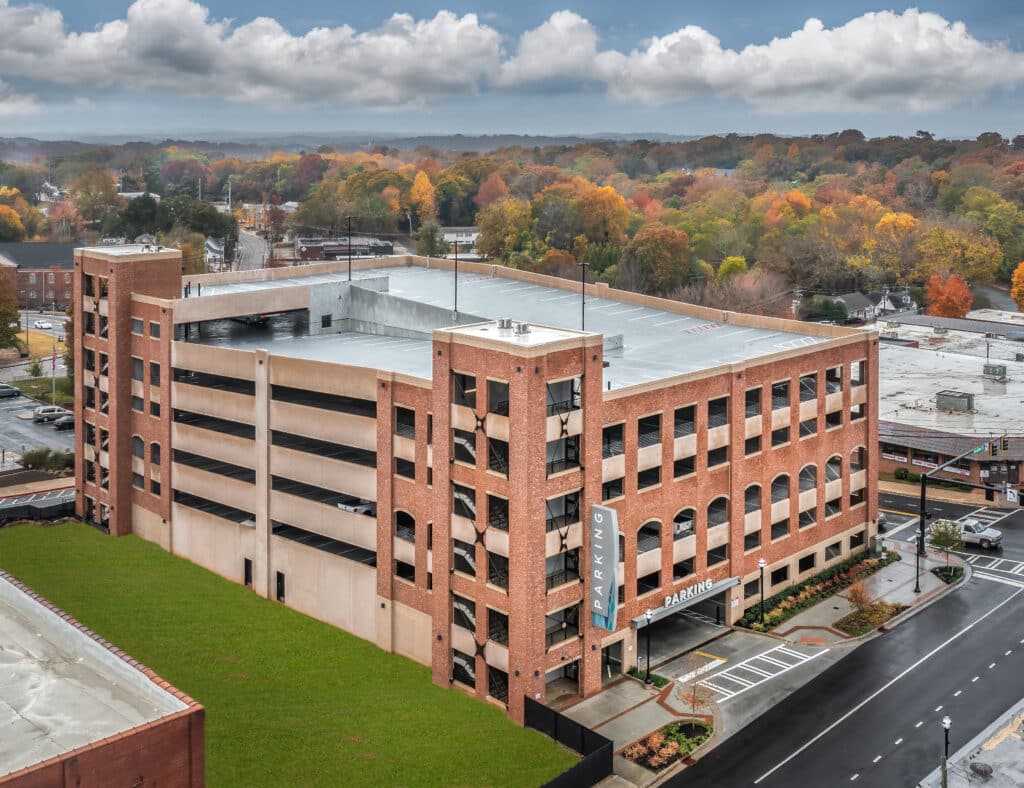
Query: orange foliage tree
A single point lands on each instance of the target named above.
(1017, 286)
(491, 190)
(948, 298)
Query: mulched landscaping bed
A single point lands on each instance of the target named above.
(860, 622)
(661, 749)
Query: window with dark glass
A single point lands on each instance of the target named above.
(809, 427)
(497, 627)
(464, 557)
(405, 526)
(752, 498)
(138, 326)
(562, 568)
(808, 479)
(780, 395)
(752, 445)
(752, 541)
(684, 467)
(563, 454)
(834, 419)
(806, 564)
(648, 583)
(405, 422)
(464, 501)
(154, 453)
(718, 456)
(138, 368)
(857, 540)
(780, 575)
(138, 404)
(497, 456)
(648, 537)
(809, 387)
(682, 569)
(752, 402)
(780, 529)
(718, 512)
(464, 446)
(497, 397)
(405, 571)
(464, 612)
(497, 512)
(780, 437)
(563, 510)
(497, 570)
(718, 412)
(464, 389)
(154, 330)
(611, 489)
(649, 430)
(611, 441)
(717, 555)
(685, 421)
(648, 478)
(564, 396)
(833, 380)
(154, 373)
(780, 488)
(833, 507)
(561, 625)
(464, 668)
(808, 517)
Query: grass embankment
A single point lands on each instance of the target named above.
(42, 389)
(289, 700)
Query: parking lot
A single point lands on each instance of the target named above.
(18, 435)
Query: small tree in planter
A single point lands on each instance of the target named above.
(858, 596)
(945, 535)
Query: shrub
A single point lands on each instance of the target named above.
(46, 459)
(900, 473)
(674, 741)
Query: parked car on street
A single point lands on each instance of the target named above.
(46, 413)
(8, 391)
(42, 324)
(64, 423)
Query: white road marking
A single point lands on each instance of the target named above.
(877, 759)
(938, 708)
(992, 666)
(626, 311)
(957, 693)
(886, 686)
(1008, 653)
(919, 724)
(854, 777)
(995, 579)
(975, 679)
(898, 742)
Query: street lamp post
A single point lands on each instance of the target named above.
(947, 723)
(917, 565)
(761, 563)
(455, 309)
(648, 614)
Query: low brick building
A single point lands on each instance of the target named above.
(77, 711)
(426, 478)
(42, 272)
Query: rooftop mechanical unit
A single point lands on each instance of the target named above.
(994, 372)
(957, 401)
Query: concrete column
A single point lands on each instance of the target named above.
(262, 570)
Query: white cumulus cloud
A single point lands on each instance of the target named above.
(877, 61)
(883, 61)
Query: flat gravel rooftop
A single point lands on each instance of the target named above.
(56, 694)
(655, 344)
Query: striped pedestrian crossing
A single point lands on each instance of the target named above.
(753, 671)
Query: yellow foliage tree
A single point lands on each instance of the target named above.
(894, 250)
(947, 250)
(423, 197)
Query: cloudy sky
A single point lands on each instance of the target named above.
(70, 68)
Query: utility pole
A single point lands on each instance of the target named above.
(583, 294)
(348, 220)
(455, 311)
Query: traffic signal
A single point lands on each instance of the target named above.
(1005, 443)
(993, 449)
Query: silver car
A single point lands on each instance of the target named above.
(974, 532)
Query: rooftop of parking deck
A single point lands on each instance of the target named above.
(642, 343)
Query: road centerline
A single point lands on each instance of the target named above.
(886, 686)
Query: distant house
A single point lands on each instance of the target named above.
(857, 305)
(42, 272)
(129, 196)
(891, 300)
(214, 254)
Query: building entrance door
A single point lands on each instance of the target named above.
(611, 662)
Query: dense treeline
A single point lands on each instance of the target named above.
(737, 219)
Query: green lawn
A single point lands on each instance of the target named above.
(42, 389)
(289, 700)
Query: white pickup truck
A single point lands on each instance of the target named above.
(977, 533)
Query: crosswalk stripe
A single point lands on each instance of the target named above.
(995, 579)
(793, 654)
(718, 689)
(758, 671)
(774, 661)
(728, 674)
(1019, 570)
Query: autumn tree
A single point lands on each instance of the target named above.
(504, 228)
(94, 192)
(32, 220)
(65, 223)
(657, 260)
(730, 267)
(1017, 286)
(603, 216)
(893, 245)
(492, 189)
(9, 316)
(422, 197)
(69, 341)
(558, 262)
(11, 228)
(943, 249)
(430, 241)
(948, 297)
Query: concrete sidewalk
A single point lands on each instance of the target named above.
(998, 747)
(893, 584)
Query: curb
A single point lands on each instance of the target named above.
(913, 610)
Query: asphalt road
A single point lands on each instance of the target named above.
(252, 251)
(910, 504)
(873, 717)
(19, 434)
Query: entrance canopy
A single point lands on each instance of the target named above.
(686, 598)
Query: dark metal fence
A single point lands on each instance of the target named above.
(596, 750)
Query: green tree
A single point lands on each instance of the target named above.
(504, 228)
(430, 240)
(9, 316)
(35, 367)
(945, 535)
